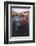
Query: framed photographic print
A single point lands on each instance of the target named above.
(19, 25)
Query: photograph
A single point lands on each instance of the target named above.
(19, 22)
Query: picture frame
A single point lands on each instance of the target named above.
(17, 8)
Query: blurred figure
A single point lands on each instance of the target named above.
(17, 23)
(24, 20)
